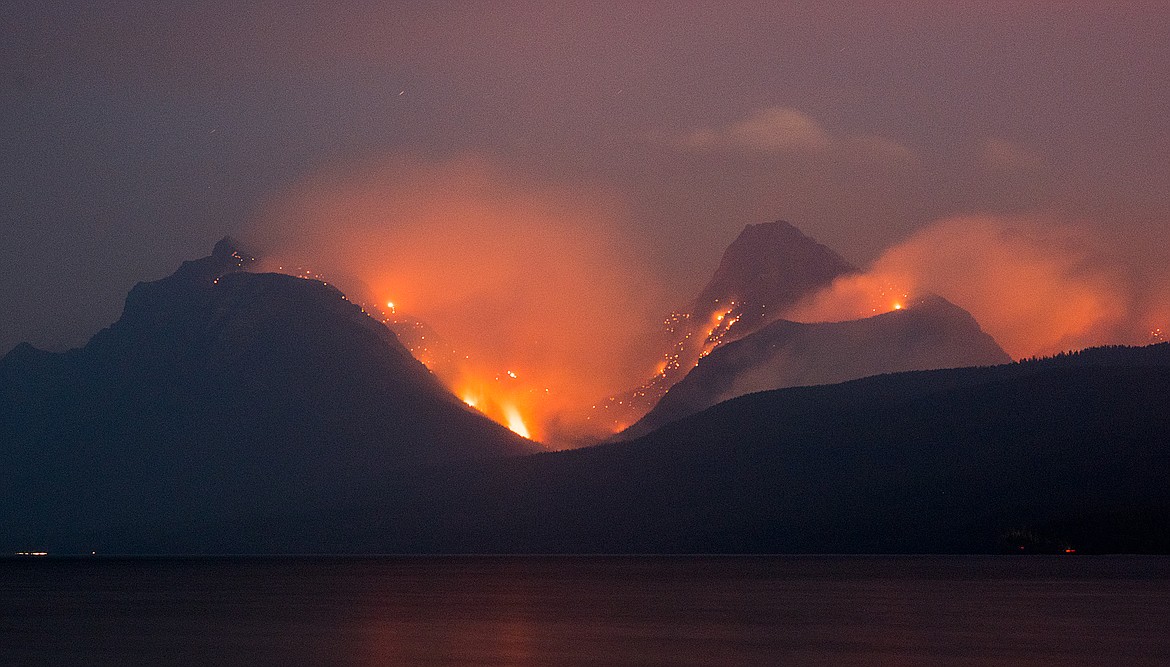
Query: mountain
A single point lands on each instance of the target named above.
(424, 343)
(1038, 456)
(929, 333)
(768, 268)
(218, 393)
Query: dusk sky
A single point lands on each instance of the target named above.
(632, 140)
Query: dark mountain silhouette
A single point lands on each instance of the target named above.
(1062, 453)
(423, 341)
(929, 333)
(767, 269)
(220, 393)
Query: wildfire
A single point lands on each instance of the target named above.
(515, 421)
(896, 295)
(719, 326)
(852, 297)
(502, 398)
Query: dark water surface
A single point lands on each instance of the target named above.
(820, 610)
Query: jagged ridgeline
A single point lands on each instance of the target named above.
(768, 268)
(219, 393)
(927, 333)
(731, 340)
(236, 412)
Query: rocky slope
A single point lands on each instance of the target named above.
(220, 392)
(929, 333)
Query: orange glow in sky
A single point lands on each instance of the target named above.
(515, 421)
(1038, 287)
(500, 396)
(543, 306)
(515, 276)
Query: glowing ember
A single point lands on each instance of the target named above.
(852, 297)
(718, 329)
(390, 305)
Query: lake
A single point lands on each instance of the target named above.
(589, 610)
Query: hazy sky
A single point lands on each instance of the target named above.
(133, 135)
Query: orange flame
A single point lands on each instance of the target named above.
(502, 400)
(514, 272)
(515, 421)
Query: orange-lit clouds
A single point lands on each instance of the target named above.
(771, 129)
(531, 284)
(786, 130)
(1038, 287)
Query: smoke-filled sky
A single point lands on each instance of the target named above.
(567, 153)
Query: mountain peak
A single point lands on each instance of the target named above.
(772, 265)
(219, 392)
(227, 256)
(775, 228)
(767, 269)
(228, 247)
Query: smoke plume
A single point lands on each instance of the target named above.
(531, 285)
(1037, 286)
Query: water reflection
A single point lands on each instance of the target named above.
(588, 610)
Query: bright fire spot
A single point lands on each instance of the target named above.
(718, 329)
(390, 305)
(512, 403)
(852, 297)
(512, 374)
(515, 421)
